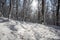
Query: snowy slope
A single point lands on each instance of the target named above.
(15, 30)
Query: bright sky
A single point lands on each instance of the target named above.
(34, 5)
(49, 4)
(7, 2)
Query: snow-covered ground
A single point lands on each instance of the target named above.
(15, 30)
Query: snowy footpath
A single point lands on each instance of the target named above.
(15, 30)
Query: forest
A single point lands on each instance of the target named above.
(29, 19)
(37, 11)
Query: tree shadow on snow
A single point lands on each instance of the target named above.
(56, 29)
(12, 27)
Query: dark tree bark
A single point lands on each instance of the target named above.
(24, 9)
(17, 9)
(58, 14)
(3, 7)
(9, 9)
(40, 9)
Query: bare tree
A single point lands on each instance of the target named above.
(17, 9)
(58, 14)
(40, 10)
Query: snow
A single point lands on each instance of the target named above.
(15, 30)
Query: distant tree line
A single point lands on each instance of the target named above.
(39, 11)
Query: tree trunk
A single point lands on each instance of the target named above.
(17, 9)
